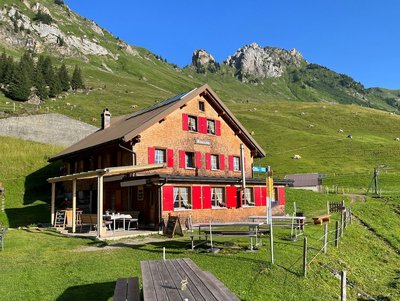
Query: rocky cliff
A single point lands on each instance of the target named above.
(21, 29)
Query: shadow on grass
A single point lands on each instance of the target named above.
(97, 291)
(28, 215)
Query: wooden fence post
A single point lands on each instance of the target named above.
(305, 257)
(344, 219)
(325, 237)
(337, 234)
(349, 215)
(343, 286)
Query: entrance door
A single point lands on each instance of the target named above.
(151, 211)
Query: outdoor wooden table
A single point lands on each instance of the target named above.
(181, 279)
(116, 217)
(253, 230)
(296, 222)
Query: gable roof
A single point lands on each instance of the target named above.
(125, 128)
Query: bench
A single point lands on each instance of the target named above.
(318, 220)
(127, 289)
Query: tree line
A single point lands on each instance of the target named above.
(21, 79)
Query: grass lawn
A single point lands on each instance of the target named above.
(40, 264)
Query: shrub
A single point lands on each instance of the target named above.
(43, 18)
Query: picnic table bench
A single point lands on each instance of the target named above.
(127, 289)
(181, 279)
(321, 218)
(252, 232)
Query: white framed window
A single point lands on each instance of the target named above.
(236, 164)
(189, 160)
(217, 197)
(210, 127)
(160, 156)
(192, 123)
(214, 162)
(249, 201)
(182, 199)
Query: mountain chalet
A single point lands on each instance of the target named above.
(186, 156)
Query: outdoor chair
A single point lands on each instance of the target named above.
(134, 219)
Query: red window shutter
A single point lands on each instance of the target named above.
(263, 196)
(208, 161)
(281, 195)
(196, 197)
(198, 160)
(217, 127)
(168, 198)
(257, 196)
(230, 159)
(170, 157)
(221, 162)
(185, 122)
(231, 197)
(206, 197)
(151, 155)
(202, 124)
(182, 159)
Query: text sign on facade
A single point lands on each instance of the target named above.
(202, 141)
(259, 169)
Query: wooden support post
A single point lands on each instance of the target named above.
(305, 257)
(74, 206)
(343, 286)
(325, 237)
(341, 225)
(349, 215)
(53, 204)
(271, 241)
(337, 234)
(345, 219)
(99, 205)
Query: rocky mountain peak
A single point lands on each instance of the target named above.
(203, 61)
(252, 62)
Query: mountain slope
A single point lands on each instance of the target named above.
(126, 78)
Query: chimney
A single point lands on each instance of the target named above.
(105, 119)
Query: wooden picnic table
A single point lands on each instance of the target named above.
(181, 279)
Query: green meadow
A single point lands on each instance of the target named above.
(53, 267)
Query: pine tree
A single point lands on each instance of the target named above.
(54, 85)
(3, 62)
(64, 78)
(46, 67)
(76, 81)
(40, 84)
(20, 87)
(27, 63)
(9, 70)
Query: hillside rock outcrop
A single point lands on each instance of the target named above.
(202, 61)
(253, 62)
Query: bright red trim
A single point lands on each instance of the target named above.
(168, 198)
(151, 155)
(231, 197)
(221, 162)
(182, 159)
(281, 195)
(198, 160)
(263, 196)
(230, 160)
(206, 197)
(217, 127)
(170, 157)
(185, 122)
(208, 161)
(202, 124)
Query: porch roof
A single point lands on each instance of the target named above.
(109, 171)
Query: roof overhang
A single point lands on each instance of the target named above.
(110, 171)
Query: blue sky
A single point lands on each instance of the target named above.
(360, 38)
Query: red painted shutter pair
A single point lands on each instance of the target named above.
(168, 198)
(231, 196)
(201, 197)
(260, 196)
(202, 121)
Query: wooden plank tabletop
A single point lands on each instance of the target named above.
(162, 280)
